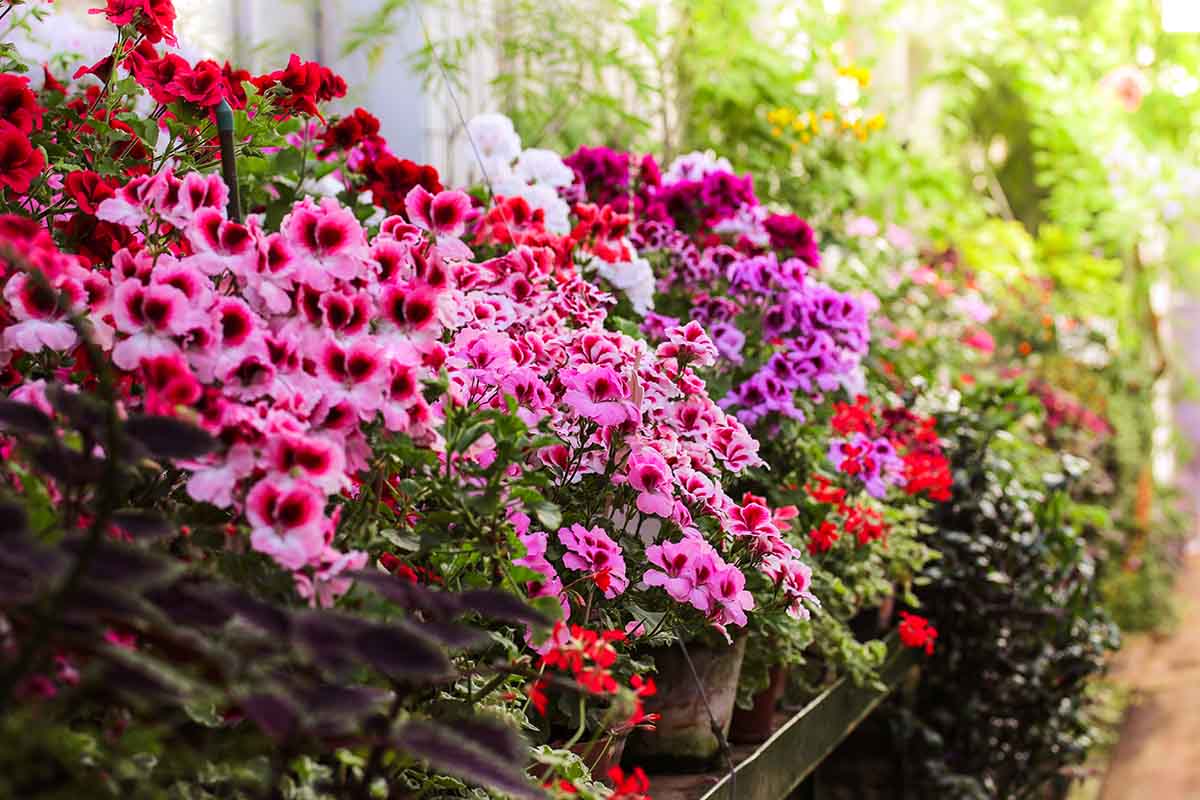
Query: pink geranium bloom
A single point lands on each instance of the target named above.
(328, 243)
(154, 316)
(41, 311)
(674, 562)
(649, 475)
(444, 213)
(287, 519)
(594, 552)
(598, 394)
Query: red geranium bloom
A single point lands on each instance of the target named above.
(629, 787)
(235, 93)
(20, 161)
(88, 190)
(154, 19)
(391, 179)
(51, 83)
(822, 538)
(159, 75)
(306, 83)
(915, 631)
(18, 105)
(203, 84)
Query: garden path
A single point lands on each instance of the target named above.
(1158, 755)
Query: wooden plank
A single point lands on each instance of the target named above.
(774, 769)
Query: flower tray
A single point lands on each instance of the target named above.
(801, 740)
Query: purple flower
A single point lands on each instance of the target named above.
(604, 172)
(729, 341)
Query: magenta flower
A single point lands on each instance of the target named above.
(598, 394)
(444, 213)
(594, 552)
(648, 473)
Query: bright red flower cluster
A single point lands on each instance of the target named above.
(20, 115)
(861, 521)
(915, 631)
(857, 418)
(588, 656)
(154, 20)
(304, 84)
(926, 468)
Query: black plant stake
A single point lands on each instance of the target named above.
(229, 159)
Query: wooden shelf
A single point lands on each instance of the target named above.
(775, 769)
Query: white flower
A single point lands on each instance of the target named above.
(635, 278)
(694, 166)
(497, 141)
(543, 167)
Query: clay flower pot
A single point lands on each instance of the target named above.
(754, 725)
(683, 736)
(602, 754)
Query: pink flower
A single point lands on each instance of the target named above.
(329, 582)
(689, 344)
(444, 213)
(598, 394)
(649, 475)
(535, 559)
(287, 519)
(980, 340)
(154, 315)
(794, 577)
(41, 310)
(674, 562)
(328, 243)
(594, 552)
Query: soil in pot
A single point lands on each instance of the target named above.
(683, 739)
(754, 725)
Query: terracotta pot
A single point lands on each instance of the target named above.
(755, 725)
(602, 754)
(683, 736)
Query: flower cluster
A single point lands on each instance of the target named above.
(917, 632)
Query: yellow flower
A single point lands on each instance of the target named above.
(776, 132)
(877, 122)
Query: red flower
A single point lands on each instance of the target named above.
(20, 161)
(629, 787)
(350, 131)
(18, 105)
(390, 179)
(857, 418)
(915, 631)
(930, 472)
(537, 696)
(158, 76)
(865, 524)
(822, 538)
(51, 83)
(88, 190)
(203, 84)
(824, 492)
(154, 19)
(235, 93)
(306, 83)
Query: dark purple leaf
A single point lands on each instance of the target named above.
(136, 683)
(25, 554)
(13, 520)
(86, 412)
(169, 438)
(402, 654)
(501, 605)
(332, 700)
(446, 749)
(455, 635)
(24, 418)
(494, 736)
(412, 596)
(16, 587)
(69, 466)
(276, 716)
(191, 603)
(142, 524)
(268, 618)
(89, 602)
(327, 637)
(119, 563)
